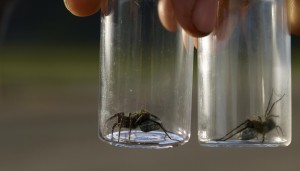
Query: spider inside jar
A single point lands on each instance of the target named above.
(251, 128)
(144, 120)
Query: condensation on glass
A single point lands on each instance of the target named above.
(245, 76)
(146, 76)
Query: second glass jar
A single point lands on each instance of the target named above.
(245, 76)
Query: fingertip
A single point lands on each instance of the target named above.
(204, 16)
(183, 11)
(293, 7)
(166, 15)
(83, 8)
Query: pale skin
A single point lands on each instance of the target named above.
(197, 17)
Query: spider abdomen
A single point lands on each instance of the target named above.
(148, 126)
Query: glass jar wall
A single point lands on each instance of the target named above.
(145, 77)
(245, 76)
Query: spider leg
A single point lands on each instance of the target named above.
(120, 127)
(263, 138)
(130, 125)
(154, 116)
(267, 114)
(139, 118)
(112, 131)
(224, 137)
(279, 128)
(233, 134)
(274, 116)
(111, 118)
(269, 103)
(144, 112)
(115, 115)
(260, 118)
(160, 125)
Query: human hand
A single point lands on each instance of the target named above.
(197, 17)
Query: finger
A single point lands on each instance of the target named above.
(197, 17)
(183, 11)
(83, 8)
(166, 15)
(205, 14)
(293, 9)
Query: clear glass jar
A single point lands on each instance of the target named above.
(245, 76)
(146, 76)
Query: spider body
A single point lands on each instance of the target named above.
(255, 127)
(251, 128)
(248, 134)
(144, 120)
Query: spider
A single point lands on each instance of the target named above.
(250, 128)
(144, 120)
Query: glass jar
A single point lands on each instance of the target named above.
(245, 76)
(146, 76)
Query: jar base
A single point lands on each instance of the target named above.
(245, 143)
(145, 140)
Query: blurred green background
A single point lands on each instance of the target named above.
(49, 95)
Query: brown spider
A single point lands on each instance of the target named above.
(144, 120)
(250, 128)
